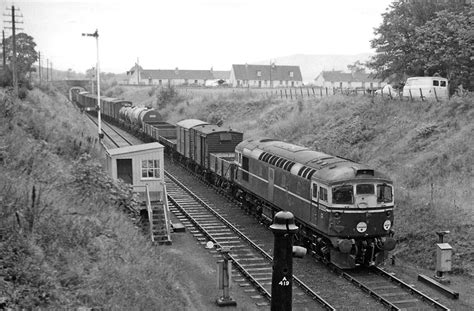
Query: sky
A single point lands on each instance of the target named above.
(194, 34)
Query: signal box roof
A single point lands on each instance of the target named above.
(134, 148)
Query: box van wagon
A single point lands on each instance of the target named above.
(428, 87)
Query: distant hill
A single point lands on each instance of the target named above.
(312, 65)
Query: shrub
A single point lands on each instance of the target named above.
(22, 93)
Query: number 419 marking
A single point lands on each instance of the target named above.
(284, 282)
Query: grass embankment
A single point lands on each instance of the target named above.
(65, 240)
(426, 148)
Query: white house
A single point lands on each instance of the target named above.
(265, 76)
(339, 79)
(175, 77)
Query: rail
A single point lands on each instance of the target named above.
(166, 210)
(260, 250)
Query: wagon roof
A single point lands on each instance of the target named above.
(211, 128)
(189, 123)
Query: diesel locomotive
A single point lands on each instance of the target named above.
(344, 210)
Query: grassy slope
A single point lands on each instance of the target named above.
(65, 241)
(426, 147)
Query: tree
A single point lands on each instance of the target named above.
(445, 44)
(26, 54)
(398, 38)
(357, 67)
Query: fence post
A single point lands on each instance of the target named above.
(326, 91)
(436, 95)
(281, 94)
(301, 90)
(390, 94)
(286, 95)
(421, 94)
(291, 95)
(411, 97)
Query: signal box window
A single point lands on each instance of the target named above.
(342, 195)
(443, 83)
(323, 194)
(384, 194)
(435, 83)
(150, 169)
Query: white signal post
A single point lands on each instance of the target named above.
(96, 36)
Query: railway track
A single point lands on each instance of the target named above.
(384, 287)
(255, 265)
(248, 257)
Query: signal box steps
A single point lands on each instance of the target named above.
(160, 229)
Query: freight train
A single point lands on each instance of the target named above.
(344, 210)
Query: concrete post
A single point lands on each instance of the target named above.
(224, 278)
(283, 228)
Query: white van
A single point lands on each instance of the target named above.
(428, 87)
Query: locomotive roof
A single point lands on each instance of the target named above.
(212, 128)
(326, 167)
(189, 123)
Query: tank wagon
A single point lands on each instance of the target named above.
(344, 210)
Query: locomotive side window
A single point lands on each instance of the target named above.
(384, 193)
(323, 194)
(365, 189)
(343, 195)
(315, 191)
(245, 168)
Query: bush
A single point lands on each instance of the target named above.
(22, 93)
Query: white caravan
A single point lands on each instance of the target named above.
(428, 87)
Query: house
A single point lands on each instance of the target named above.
(265, 76)
(339, 79)
(175, 77)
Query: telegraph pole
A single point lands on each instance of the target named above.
(47, 69)
(13, 63)
(51, 68)
(4, 50)
(39, 66)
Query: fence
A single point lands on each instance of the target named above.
(306, 92)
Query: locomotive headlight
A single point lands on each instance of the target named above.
(387, 224)
(361, 227)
